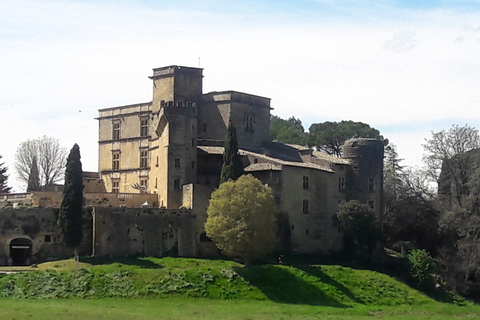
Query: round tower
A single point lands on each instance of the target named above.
(365, 175)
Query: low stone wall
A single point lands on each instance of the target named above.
(150, 232)
(31, 235)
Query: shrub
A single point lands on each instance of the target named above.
(421, 265)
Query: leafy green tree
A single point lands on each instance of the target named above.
(71, 209)
(330, 136)
(3, 178)
(241, 219)
(232, 167)
(288, 131)
(421, 266)
(361, 231)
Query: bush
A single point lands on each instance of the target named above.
(421, 265)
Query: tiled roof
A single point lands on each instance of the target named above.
(287, 163)
(275, 161)
(328, 157)
(211, 150)
(263, 167)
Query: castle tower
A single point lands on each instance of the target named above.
(173, 146)
(365, 175)
(176, 84)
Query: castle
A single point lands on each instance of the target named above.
(172, 146)
(159, 162)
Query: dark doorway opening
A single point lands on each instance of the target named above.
(21, 251)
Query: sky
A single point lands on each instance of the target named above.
(407, 68)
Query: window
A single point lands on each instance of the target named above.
(193, 142)
(249, 120)
(116, 130)
(305, 182)
(305, 206)
(116, 160)
(371, 184)
(193, 165)
(176, 184)
(144, 183)
(204, 127)
(177, 162)
(115, 186)
(143, 126)
(48, 238)
(143, 158)
(341, 184)
(371, 204)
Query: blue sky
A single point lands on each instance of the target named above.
(405, 67)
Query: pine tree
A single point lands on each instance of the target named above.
(3, 178)
(70, 215)
(232, 167)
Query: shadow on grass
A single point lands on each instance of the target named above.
(317, 272)
(279, 284)
(130, 261)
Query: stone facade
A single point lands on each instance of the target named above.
(182, 145)
(30, 235)
(147, 232)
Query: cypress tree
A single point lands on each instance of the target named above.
(33, 177)
(3, 178)
(70, 215)
(232, 167)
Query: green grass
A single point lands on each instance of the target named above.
(181, 288)
(184, 308)
(333, 286)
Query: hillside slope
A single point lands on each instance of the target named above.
(214, 279)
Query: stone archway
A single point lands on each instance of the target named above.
(21, 251)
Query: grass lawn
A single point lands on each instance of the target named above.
(178, 308)
(181, 288)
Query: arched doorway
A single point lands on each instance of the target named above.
(21, 251)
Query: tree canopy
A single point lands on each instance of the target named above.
(241, 218)
(232, 167)
(4, 188)
(49, 157)
(330, 136)
(71, 209)
(361, 231)
(326, 136)
(288, 131)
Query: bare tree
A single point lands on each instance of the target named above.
(447, 153)
(452, 160)
(48, 155)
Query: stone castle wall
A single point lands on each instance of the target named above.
(150, 232)
(31, 235)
